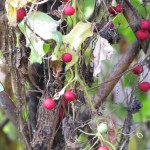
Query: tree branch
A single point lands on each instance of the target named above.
(133, 17)
(131, 14)
(119, 68)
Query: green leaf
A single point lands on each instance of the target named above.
(10, 131)
(144, 112)
(87, 55)
(78, 35)
(1, 87)
(46, 47)
(124, 29)
(138, 5)
(88, 8)
(128, 79)
(38, 29)
(82, 138)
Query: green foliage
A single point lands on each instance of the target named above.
(83, 140)
(123, 27)
(10, 130)
(87, 55)
(144, 113)
(143, 11)
(128, 79)
(75, 39)
(87, 8)
(38, 29)
(78, 35)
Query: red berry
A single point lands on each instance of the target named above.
(119, 8)
(66, 57)
(112, 11)
(65, 0)
(69, 10)
(144, 86)
(142, 35)
(21, 13)
(145, 24)
(103, 148)
(49, 103)
(69, 95)
(138, 70)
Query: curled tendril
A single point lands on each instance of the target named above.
(139, 135)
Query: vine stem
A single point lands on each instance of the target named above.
(105, 141)
(77, 78)
(84, 87)
(57, 95)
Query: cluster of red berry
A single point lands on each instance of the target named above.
(49, 103)
(143, 33)
(115, 10)
(143, 86)
(68, 10)
(69, 96)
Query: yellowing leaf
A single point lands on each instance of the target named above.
(78, 35)
(18, 3)
(11, 14)
(40, 27)
(11, 7)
